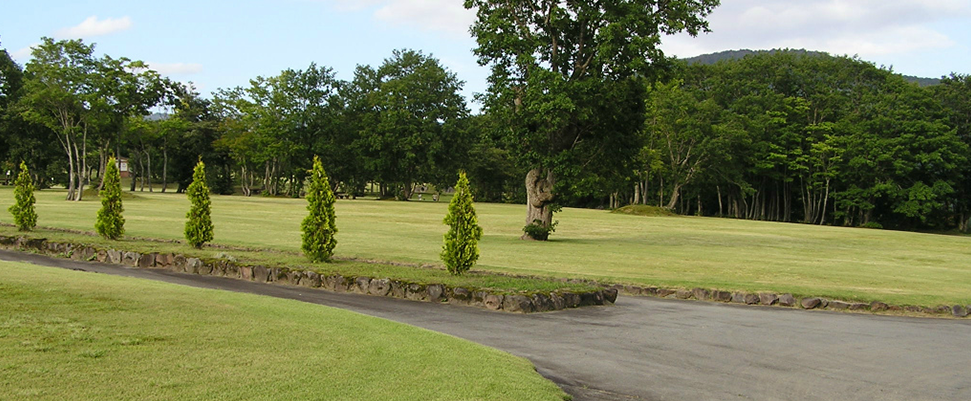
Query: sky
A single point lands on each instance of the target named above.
(223, 44)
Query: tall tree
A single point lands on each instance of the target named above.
(955, 96)
(320, 225)
(198, 132)
(276, 122)
(409, 109)
(60, 90)
(686, 130)
(565, 76)
(82, 97)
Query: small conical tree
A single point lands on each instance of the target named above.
(111, 224)
(461, 248)
(198, 225)
(320, 226)
(24, 215)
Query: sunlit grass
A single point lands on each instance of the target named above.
(838, 262)
(68, 335)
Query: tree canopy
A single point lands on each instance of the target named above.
(567, 79)
(587, 121)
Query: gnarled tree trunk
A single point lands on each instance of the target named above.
(539, 195)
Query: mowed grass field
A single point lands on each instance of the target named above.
(679, 251)
(82, 336)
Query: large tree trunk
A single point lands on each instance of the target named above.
(165, 169)
(406, 191)
(243, 183)
(81, 165)
(675, 196)
(102, 162)
(70, 169)
(148, 158)
(539, 195)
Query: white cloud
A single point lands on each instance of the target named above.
(176, 68)
(430, 15)
(92, 26)
(23, 54)
(863, 27)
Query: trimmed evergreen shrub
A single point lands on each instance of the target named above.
(461, 248)
(198, 225)
(111, 224)
(24, 215)
(320, 226)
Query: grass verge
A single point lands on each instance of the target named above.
(412, 273)
(74, 335)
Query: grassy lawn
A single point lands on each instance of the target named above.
(837, 262)
(82, 336)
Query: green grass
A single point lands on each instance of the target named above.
(83, 336)
(676, 251)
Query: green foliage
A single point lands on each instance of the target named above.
(320, 226)
(82, 98)
(24, 215)
(461, 248)
(406, 115)
(278, 120)
(539, 231)
(198, 225)
(567, 83)
(111, 223)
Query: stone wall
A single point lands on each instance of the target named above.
(788, 300)
(386, 287)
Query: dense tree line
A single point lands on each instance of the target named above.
(783, 136)
(808, 138)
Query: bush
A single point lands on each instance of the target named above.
(198, 225)
(537, 231)
(24, 215)
(461, 248)
(111, 224)
(320, 226)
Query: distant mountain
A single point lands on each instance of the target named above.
(712, 58)
(157, 117)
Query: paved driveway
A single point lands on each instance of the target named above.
(658, 349)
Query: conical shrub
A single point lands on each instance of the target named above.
(198, 225)
(24, 215)
(320, 225)
(111, 223)
(461, 248)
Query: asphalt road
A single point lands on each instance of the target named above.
(658, 349)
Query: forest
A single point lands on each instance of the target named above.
(788, 136)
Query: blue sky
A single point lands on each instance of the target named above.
(223, 44)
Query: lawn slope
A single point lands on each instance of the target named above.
(73, 335)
